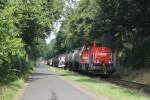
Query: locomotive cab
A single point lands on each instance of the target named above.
(96, 59)
(102, 59)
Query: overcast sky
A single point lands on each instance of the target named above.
(52, 36)
(57, 24)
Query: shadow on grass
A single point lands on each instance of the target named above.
(67, 74)
(130, 92)
(87, 80)
(125, 90)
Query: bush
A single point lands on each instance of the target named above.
(15, 68)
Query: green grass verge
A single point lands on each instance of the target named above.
(100, 87)
(9, 91)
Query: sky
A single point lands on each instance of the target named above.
(52, 36)
(57, 24)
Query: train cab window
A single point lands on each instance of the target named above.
(99, 44)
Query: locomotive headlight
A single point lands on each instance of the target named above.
(109, 62)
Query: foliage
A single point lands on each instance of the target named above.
(23, 28)
(34, 19)
(122, 25)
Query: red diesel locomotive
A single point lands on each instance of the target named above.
(97, 59)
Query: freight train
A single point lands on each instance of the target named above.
(95, 59)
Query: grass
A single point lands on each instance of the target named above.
(9, 91)
(112, 91)
(137, 75)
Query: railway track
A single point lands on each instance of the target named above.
(124, 83)
(129, 84)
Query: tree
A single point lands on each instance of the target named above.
(122, 25)
(23, 25)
